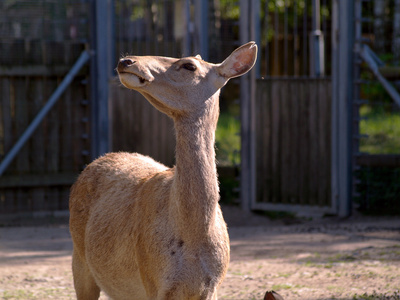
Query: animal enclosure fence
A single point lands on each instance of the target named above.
(42, 172)
(39, 42)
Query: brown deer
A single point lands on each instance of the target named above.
(142, 230)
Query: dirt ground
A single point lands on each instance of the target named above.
(327, 258)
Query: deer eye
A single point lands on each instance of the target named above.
(189, 66)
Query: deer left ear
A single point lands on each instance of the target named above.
(239, 62)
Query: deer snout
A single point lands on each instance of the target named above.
(124, 63)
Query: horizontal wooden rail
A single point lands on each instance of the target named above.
(379, 160)
(38, 180)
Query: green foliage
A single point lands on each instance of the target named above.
(228, 140)
(383, 130)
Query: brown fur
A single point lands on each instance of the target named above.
(142, 230)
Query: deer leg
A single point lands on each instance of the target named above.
(85, 286)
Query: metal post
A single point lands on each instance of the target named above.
(187, 39)
(248, 32)
(245, 172)
(101, 70)
(342, 99)
(201, 21)
(317, 65)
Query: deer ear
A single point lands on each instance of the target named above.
(239, 62)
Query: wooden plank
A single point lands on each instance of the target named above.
(313, 143)
(262, 120)
(284, 142)
(304, 145)
(275, 139)
(34, 70)
(22, 122)
(324, 146)
(295, 141)
(8, 195)
(36, 98)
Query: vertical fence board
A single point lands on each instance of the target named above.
(37, 143)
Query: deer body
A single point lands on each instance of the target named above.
(142, 230)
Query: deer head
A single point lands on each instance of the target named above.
(180, 86)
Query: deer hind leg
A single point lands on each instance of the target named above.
(85, 286)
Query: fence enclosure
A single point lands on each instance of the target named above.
(40, 176)
(310, 140)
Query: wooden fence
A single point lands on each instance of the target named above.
(40, 176)
(293, 141)
(138, 127)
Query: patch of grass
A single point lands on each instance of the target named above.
(383, 130)
(282, 286)
(378, 296)
(17, 294)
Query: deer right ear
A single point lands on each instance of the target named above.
(239, 62)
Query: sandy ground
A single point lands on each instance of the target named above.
(356, 258)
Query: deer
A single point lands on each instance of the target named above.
(140, 229)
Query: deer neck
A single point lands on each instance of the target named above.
(195, 188)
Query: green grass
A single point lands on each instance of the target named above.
(383, 130)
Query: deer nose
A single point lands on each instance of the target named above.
(124, 63)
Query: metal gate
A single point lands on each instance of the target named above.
(291, 134)
(320, 111)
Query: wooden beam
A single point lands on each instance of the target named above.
(37, 180)
(34, 70)
(379, 160)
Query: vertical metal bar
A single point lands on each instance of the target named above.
(101, 69)
(316, 42)
(247, 110)
(157, 27)
(295, 40)
(245, 192)
(305, 34)
(342, 96)
(165, 29)
(276, 38)
(187, 44)
(266, 12)
(255, 33)
(285, 38)
(201, 21)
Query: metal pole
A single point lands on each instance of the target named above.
(101, 69)
(317, 67)
(82, 60)
(342, 99)
(201, 20)
(245, 172)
